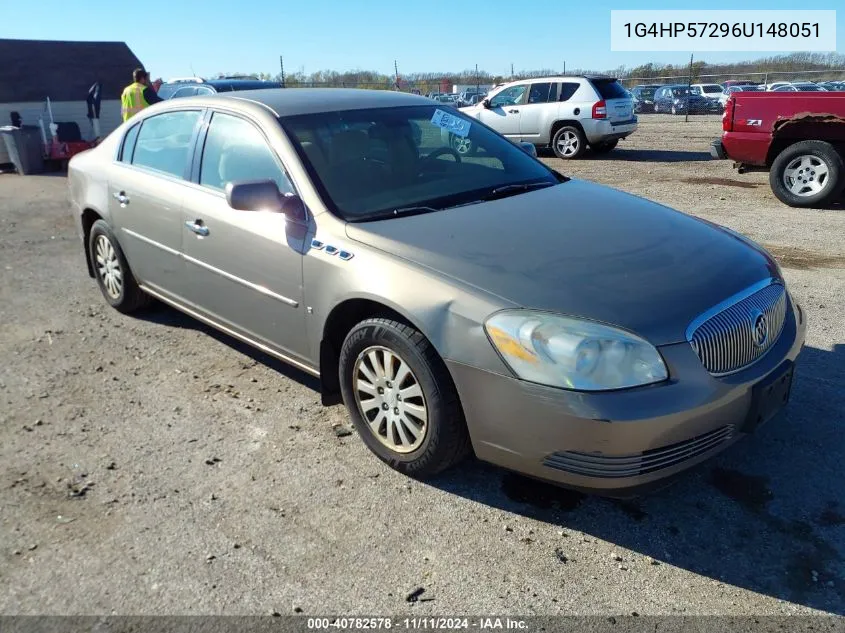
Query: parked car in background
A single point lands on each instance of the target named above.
(679, 99)
(804, 86)
(644, 97)
(833, 86)
(775, 85)
(194, 86)
(796, 137)
(711, 91)
(738, 82)
(549, 325)
(723, 98)
(567, 113)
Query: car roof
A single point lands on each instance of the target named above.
(295, 101)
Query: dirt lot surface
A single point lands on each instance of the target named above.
(148, 465)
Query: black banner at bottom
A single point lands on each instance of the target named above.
(531, 624)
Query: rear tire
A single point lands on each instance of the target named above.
(808, 174)
(114, 277)
(569, 142)
(604, 148)
(391, 376)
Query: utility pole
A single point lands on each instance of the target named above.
(396, 73)
(282, 64)
(689, 83)
(476, 79)
(511, 71)
(564, 67)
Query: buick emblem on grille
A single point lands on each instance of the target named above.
(761, 329)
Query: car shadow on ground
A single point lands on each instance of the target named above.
(768, 515)
(165, 315)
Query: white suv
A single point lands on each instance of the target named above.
(567, 113)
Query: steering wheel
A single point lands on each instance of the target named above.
(440, 151)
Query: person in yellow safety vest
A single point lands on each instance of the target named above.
(137, 95)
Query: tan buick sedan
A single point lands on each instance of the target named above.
(455, 303)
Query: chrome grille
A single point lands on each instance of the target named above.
(730, 339)
(614, 466)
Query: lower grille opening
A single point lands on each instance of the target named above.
(618, 466)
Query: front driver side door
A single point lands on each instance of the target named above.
(244, 268)
(503, 115)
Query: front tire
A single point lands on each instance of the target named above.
(401, 398)
(114, 277)
(808, 174)
(569, 142)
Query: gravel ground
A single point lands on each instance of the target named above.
(149, 465)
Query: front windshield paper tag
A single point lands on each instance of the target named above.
(455, 125)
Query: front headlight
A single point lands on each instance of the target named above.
(573, 353)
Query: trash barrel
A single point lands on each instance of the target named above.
(24, 147)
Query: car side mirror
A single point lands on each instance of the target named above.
(528, 148)
(254, 195)
(486, 104)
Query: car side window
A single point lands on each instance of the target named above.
(164, 142)
(509, 96)
(129, 144)
(236, 151)
(540, 93)
(567, 89)
(204, 90)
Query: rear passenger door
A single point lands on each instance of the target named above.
(244, 268)
(538, 113)
(146, 186)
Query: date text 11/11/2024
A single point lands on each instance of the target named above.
(722, 29)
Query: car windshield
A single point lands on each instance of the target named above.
(647, 93)
(712, 89)
(381, 163)
(680, 92)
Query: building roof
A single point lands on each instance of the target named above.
(294, 101)
(32, 70)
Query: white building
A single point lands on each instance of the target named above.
(33, 70)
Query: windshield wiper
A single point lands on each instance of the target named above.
(394, 213)
(511, 190)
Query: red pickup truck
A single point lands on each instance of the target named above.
(799, 137)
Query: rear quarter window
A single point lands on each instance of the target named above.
(609, 89)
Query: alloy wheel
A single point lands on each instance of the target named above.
(108, 267)
(567, 143)
(390, 399)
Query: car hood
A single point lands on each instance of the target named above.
(582, 249)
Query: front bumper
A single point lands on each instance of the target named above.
(631, 439)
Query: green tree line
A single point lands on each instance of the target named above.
(436, 81)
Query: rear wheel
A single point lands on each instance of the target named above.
(115, 278)
(401, 398)
(808, 174)
(604, 148)
(569, 142)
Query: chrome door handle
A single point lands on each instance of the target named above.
(197, 227)
(513, 111)
(122, 198)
